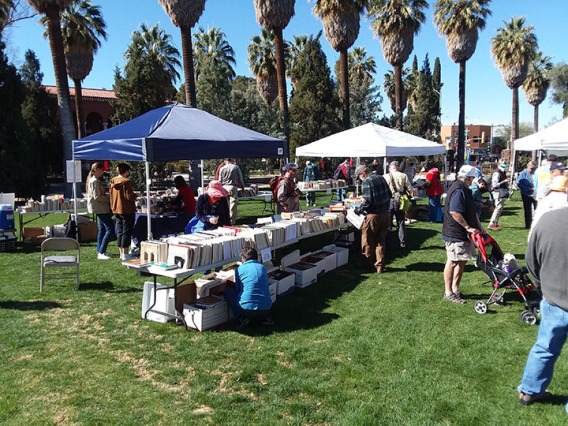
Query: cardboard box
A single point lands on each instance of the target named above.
(88, 232)
(324, 260)
(164, 302)
(186, 293)
(306, 273)
(341, 254)
(273, 289)
(283, 280)
(210, 312)
(210, 284)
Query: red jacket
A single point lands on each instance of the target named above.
(434, 187)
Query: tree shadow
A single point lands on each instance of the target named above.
(108, 287)
(34, 305)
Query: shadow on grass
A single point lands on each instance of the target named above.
(36, 305)
(107, 286)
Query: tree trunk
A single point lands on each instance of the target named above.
(281, 74)
(398, 95)
(461, 118)
(188, 71)
(535, 121)
(345, 88)
(81, 133)
(514, 118)
(62, 85)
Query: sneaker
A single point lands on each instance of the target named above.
(267, 321)
(454, 299)
(241, 323)
(526, 399)
(103, 256)
(126, 257)
(460, 295)
(380, 269)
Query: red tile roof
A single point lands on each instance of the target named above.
(93, 94)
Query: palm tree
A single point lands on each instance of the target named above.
(262, 60)
(341, 23)
(360, 64)
(52, 10)
(6, 8)
(185, 14)
(275, 15)
(514, 47)
(537, 83)
(460, 22)
(211, 43)
(293, 51)
(396, 22)
(81, 24)
(389, 84)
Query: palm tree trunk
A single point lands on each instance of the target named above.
(281, 74)
(398, 95)
(81, 133)
(345, 88)
(535, 121)
(515, 118)
(188, 71)
(62, 85)
(461, 118)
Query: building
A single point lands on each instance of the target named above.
(477, 136)
(97, 107)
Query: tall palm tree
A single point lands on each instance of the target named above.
(52, 10)
(211, 43)
(275, 15)
(389, 84)
(262, 60)
(81, 24)
(514, 47)
(341, 23)
(292, 52)
(460, 22)
(396, 22)
(185, 14)
(360, 64)
(537, 83)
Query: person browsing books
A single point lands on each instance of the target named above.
(212, 209)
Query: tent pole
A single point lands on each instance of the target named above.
(148, 204)
(75, 201)
(202, 177)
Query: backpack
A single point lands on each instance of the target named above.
(274, 183)
(338, 174)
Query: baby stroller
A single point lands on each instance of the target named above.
(505, 273)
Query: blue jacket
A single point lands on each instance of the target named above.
(251, 280)
(525, 183)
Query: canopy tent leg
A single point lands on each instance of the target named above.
(148, 204)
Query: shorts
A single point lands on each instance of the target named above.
(460, 251)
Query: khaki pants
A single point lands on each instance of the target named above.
(499, 204)
(373, 237)
(233, 201)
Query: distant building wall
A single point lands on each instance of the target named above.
(477, 136)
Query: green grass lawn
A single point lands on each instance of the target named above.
(356, 348)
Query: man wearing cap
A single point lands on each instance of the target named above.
(376, 196)
(398, 182)
(499, 191)
(460, 220)
(232, 179)
(541, 177)
(288, 196)
(546, 260)
(526, 185)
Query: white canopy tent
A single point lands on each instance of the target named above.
(553, 138)
(370, 140)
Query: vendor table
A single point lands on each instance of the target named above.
(22, 221)
(161, 225)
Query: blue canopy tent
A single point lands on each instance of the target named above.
(175, 132)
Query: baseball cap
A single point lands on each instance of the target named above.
(467, 171)
(290, 166)
(558, 165)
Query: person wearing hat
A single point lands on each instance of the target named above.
(526, 185)
(556, 198)
(541, 177)
(232, 179)
(499, 192)
(311, 174)
(376, 197)
(287, 196)
(398, 182)
(460, 220)
(212, 208)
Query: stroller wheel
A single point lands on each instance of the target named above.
(528, 317)
(480, 307)
(534, 307)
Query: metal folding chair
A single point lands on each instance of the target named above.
(68, 256)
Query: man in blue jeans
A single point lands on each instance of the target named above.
(546, 259)
(250, 298)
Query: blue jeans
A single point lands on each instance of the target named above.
(231, 294)
(552, 334)
(340, 195)
(435, 204)
(104, 222)
(310, 198)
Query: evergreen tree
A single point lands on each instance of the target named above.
(213, 88)
(423, 119)
(314, 105)
(559, 83)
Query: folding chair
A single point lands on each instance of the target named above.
(70, 257)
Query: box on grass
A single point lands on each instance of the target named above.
(284, 281)
(185, 293)
(210, 284)
(206, 313)
(33, 234)
(324, 260)
(341, 254)
(273, 289)
(164, 302)
(88, 232)
(306, 273)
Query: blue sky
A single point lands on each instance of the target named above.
(488, 100)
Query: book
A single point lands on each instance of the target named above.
(164, 266)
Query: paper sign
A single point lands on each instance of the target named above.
(266, 254)
(73, 171)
